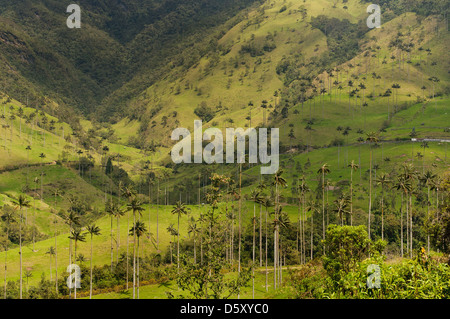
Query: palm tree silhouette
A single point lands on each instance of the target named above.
(267, 202)
(179, 209)
(195, 231)
(324, 170)
(424, 145)
(257, 199)
(139, 229)
(371, 137)
(261, 187)
(353, 167)
(302, 189)
(384, 182)
(428, 179)
(173, 232)
(92, 230)
(20, 203)
(51, 252)
(71, 219)
(8, 217)
(77, 236)
(341, 204)
(279, 181)
(111, 208)
(134, 205)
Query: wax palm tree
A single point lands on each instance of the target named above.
(92, 230)
(362, 86)
(324, 170)
(312, 207)
(8, 217)
(111, 208)
(195, 231)
(257, 199)
(42, 156)
(179, 209)
(353, 167)
(77, 236)
(302, 190)
(28, 274)
(55, 223)
(371, 137)
(173, 232)
(384, 182)
(339, 129)
(118, 212)
(346, 133)
(239, 219)
(139, 229)
(267, 202)
(279, 181)
(20, 203)
(341, 204)
(135, 205)
(51, 252)
(72, 220)
(428, 180)
(424, 145)
(403, 186)
(261, 187)
(281, 221)
(410, 174)
(201, 220)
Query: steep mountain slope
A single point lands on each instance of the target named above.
(276, 63)
(118, 41)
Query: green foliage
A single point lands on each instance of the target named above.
(204, 112)
(345, 247)
(342, 36)
(109, 167)
(420, 278)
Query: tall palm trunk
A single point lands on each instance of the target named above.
(117, 239)
(428, 214)
(112, 246)
(157, 218)
(407, 221)
(370, 188)
(6, 256)
(410, 224)
(56, 261)
(323, 208)
(239, 221)
(299, 232)
(20, 253)
(382, 213)
(134, 256)
(312, 233)
(260, 235)
(254, 237)
(90, 282)
(351, 196)
(401, 227)
(128, 245)
(138, 269)
(76, 283)
(275, 239)
(267, 273)
(70, 258)
(195, 254)
(178, 245)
